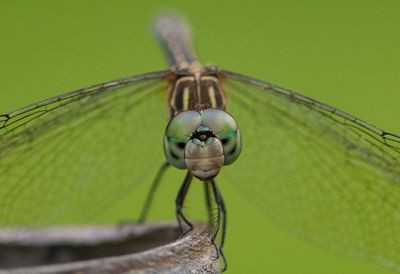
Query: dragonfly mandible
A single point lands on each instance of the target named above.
(317, 171)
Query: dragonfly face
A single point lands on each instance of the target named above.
(202, 141)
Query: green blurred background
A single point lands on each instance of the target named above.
(344, 53)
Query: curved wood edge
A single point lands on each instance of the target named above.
(193, 253)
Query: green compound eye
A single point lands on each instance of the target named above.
(225, 128)
(178, 132)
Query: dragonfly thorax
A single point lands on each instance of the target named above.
(195, 90)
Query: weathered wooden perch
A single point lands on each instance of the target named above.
(129, 248)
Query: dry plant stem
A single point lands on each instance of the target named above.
(130, 248)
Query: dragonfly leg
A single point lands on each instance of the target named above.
(207, 195)
(221, 222)
(179, 204)
(152, 191)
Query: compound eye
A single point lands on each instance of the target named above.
(178, 132)
(224, 126)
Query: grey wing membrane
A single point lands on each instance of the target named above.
(65, 159)
(319, 172)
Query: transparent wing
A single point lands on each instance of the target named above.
(65, 158)
(319, 172)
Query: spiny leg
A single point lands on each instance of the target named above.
(221, 221)
(207, 196)
(180, 198)
(152, 191)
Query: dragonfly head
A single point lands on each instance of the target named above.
(202, 141)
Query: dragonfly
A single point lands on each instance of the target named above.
(319, 172)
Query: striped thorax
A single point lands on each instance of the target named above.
(195, 88)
